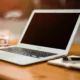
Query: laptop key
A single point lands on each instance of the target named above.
(28, 52)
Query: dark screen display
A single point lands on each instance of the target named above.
(50, 29)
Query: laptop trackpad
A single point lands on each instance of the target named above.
(15, 58)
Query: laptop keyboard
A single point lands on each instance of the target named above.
(28, 52)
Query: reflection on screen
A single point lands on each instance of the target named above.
(50, 29)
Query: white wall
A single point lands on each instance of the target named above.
(14, 26)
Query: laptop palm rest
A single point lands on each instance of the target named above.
(16, 58)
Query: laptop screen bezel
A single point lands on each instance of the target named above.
(46, 49)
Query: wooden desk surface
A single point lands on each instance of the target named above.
(41, 71)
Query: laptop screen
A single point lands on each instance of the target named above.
(51, 30)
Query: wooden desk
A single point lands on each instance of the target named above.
(41, 71)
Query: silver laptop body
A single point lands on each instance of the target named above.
(48, 35)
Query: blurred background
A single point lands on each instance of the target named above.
(15, 13)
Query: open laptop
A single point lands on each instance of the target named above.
(47, 35)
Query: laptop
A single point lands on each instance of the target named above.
(47, 35)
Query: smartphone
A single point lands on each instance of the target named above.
(72, 59)
(66, 63)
